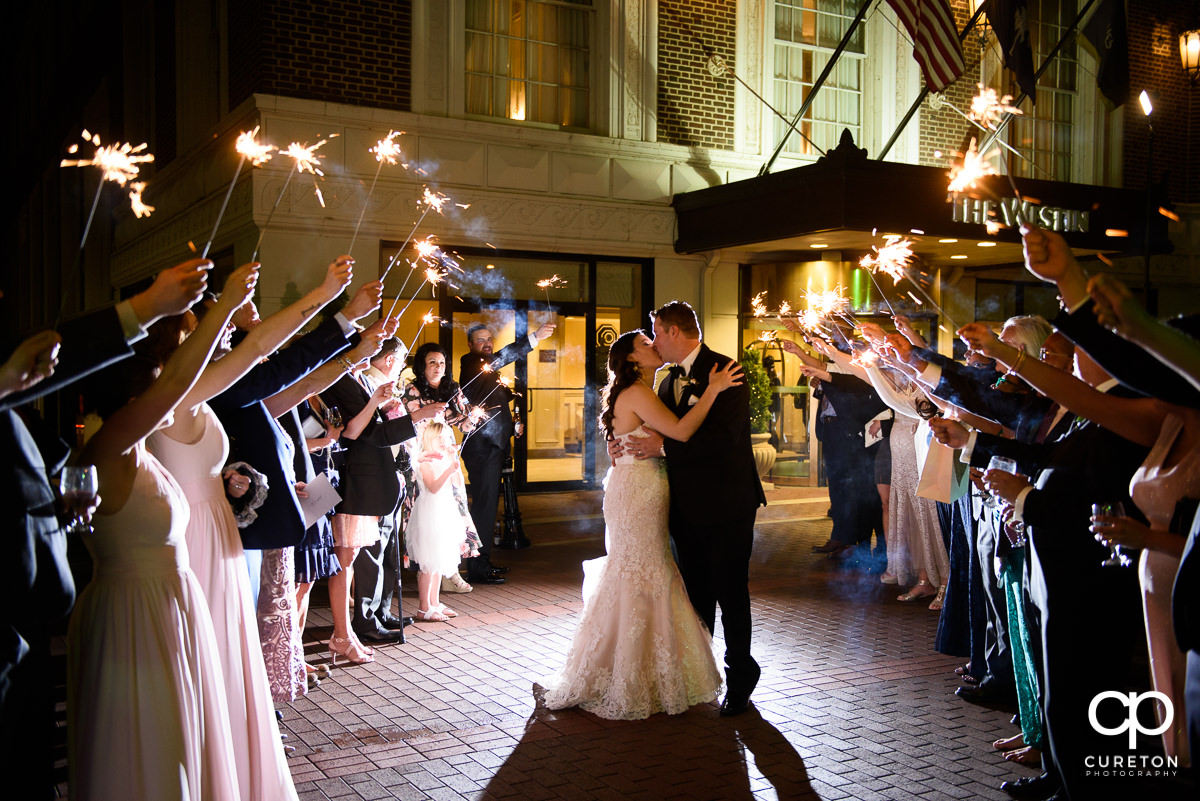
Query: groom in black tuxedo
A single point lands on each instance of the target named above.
(715, 494)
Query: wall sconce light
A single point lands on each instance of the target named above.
(1189, 54)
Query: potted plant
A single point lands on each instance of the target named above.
(755, 376)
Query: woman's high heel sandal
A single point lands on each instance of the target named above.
(916, 593)
(938, 599)
(346, 648)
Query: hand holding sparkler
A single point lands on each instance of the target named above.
(905, 327)
(950, 433)
(1117, 309)
(982, 339)
(544, 330)
(173, 291)
(427, 411)
(1048, 257)
(31, 362)
(367, 299)
(337, 277)
(239, 286)
(872, 332)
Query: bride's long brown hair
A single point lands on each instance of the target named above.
(622, 373)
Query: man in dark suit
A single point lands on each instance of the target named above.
(255, 436)
(371, 486)
(1090, 615)
(36, 588)
(715, 494)
(486, 449)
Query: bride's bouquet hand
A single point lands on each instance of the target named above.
(723, 379)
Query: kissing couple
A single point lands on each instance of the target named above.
(683, 471)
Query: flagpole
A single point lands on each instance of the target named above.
(1008, 115)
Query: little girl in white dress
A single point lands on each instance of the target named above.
(440, 532)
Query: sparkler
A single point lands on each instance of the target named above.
(553, 282)
(973, 168)
(426, 320)
(432, 200)
(258, 154)
(118, 163)
(484, 368)
(386, 151)
(305, 159)
(426, 251)
(893, 259)
(432, 276)
(988, 108)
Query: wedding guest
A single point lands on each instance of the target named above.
(146, 710)
(430, 384)
(485, 452)
(440, 531)
(37, 592)
(370, 489)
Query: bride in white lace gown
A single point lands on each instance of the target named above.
(639, 647)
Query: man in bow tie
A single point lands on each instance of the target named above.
(715, 494)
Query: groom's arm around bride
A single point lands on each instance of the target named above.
(715, 494)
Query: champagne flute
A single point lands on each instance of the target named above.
(1115, 557)
(1004, 465)
(79, 486)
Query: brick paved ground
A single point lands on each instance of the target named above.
(853, 703)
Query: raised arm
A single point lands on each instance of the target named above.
(646, 405)
(132, 423)
(265, 338)
(1135, 419)
(324, 376)
(1119, 311)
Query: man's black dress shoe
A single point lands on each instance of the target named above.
(1032, 787)
(490, 577)
(392, 623)
(734, 704)
(829, 547)
(497, 568)
(381, 636)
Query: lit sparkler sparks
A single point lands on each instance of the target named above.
(432, 200)
(865, 358)
(140, 209)
(250, 148)
(305, 159)
(117, 162)
(891, 259)
(426, 320)
(989, 109)
(768, 336)
(553, 282)
(386, 152)
(257, 154)
(785, 310)
(974, 167)
(758, 304)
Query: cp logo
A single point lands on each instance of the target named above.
(1132, 701)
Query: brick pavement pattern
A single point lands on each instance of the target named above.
(853, 704)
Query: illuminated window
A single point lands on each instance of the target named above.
(1045, 133)
(806, 34)
(530, 60)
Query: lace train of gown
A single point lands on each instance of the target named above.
(639, 647)
(215, 547)
(146, 709)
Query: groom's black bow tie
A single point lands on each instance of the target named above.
(677, 371)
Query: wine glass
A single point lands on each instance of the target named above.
(78, 485)
(1115, 557)
(1004, 465)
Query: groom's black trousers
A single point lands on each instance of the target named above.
(715, 564)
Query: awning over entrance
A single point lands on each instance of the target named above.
(836, 203)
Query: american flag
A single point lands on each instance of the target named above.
(936, 48)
